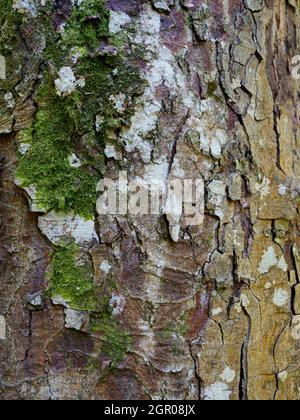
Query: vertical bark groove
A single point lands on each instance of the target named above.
(134, 306)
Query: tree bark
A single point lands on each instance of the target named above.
(148, 306)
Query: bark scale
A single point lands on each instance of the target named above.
(148, 307)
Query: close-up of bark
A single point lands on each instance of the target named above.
(134, 306)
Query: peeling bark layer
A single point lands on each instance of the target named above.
(149, 307)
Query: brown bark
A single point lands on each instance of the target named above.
(205, 312)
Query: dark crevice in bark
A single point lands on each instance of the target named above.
(274, 358)
(177, 137)
(243, 385)
(273, 231)
(277, 385)
(235, 274)
(27, 352)
(294, 287)
(277, 135)
(216, 249)
(246, 219)
(293, 298)
(242, 374)
(235, 297)
(197, 377)
(221, 330)
(235, 237)
(295, 265)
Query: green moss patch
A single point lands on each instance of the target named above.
(47, 165)
(71, 281)
(116, 341)
(67, 125)
(10, 20)
(11, 44)
(87, 24)
(179, 329)
(74, 283)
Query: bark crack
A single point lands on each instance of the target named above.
(244, 377)
(197, 376)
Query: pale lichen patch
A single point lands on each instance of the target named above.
(157, 172)
(244, 301)
(60, 227)
(74, 161)
(161, 5)
(264, 187)
(282, 264)
(281, 298)
(117, 303)
(218, 188)
(32, 196)
(25, 6)
(9, 99)
(219, 391)
(59, 301)
(268, 260)
(216, 311)
(67, 82)
(282, 376)
(24, 148)
(117, 20)
(75, 320)
(111, 152)
(2, 328)
(142, 123)
(228, 375)
(105, 267)
(282, 189)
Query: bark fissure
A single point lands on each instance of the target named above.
(149, 306)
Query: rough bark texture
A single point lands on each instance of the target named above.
(125, 307)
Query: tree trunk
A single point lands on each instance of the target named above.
(149, 306)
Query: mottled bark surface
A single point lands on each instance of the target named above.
(125, 307)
